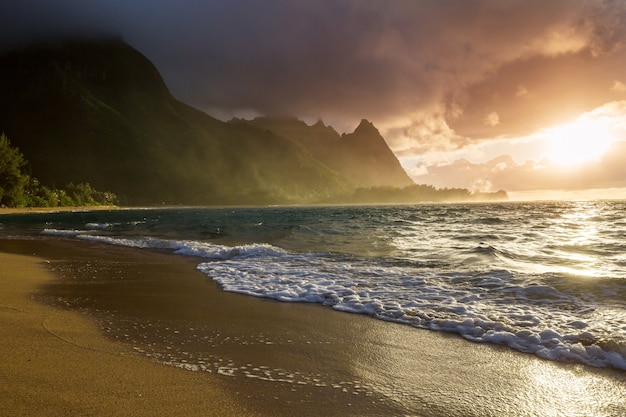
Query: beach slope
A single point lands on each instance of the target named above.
(252, 356)
(56, 362)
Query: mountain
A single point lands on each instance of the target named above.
(363, 156)
(98, 111)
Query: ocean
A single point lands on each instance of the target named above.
(544, 278)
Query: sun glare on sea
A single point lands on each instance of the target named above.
(581, 141)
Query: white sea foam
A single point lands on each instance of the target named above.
(488, 273)
(494, 309)
(63, 232)
(98, 226)
(435, 301)
(188, 247)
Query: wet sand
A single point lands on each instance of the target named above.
(56, 362)
(105, 320)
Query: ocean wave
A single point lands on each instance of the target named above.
(65, 232)
(189, 247)
(98, 226)
(528, 317)
(527, 280)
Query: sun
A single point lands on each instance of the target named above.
(581, 141)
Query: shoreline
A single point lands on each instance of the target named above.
(27, 210)
(58, 361)
(348, 364)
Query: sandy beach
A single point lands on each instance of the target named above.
(56, 363)
(87, 328)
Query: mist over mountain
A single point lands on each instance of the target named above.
(98, 112)
(362, 156)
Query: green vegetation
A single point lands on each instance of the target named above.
(362, 156)
(19, 189)
(98, 112)
(12, 181)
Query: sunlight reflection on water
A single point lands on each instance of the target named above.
(570, 391)
(443, 375)
(543, 278)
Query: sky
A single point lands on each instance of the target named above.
(521, 95)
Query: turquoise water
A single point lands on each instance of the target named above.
(544, 278)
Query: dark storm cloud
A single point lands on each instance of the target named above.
(312, 57)
(28, 20)
(416, 68)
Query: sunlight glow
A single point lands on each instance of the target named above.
(578, 229)
(565, 391)
(583, 140)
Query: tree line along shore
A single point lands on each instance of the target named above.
(19, 189)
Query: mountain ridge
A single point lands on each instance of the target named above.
(99, 112)
(362, 156)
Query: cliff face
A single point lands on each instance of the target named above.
(99, 112)
(363, 156)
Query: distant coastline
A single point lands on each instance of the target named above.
(25, 210)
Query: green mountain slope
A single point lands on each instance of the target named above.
(363, 156)
(99, 112)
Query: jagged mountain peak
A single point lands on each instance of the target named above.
(363, 155)
(99, 112)
(366, 134)
(319, 123)
(365, 131)
(365, 126)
